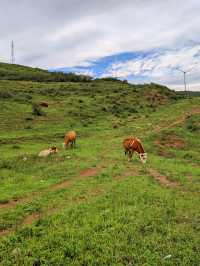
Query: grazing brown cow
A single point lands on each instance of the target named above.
(134, 144)
(44, 104)
(47, 152)
(70, 138)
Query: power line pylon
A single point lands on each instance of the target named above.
(12, 55)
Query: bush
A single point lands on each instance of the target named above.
(5, 94)
(28, 127)
(36, 110)
(6, 165)
(23, 98)
(104, 109)
(29, 118)
(16, 146)
(193, 123)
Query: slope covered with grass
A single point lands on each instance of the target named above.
(20, 72)
(90, 206)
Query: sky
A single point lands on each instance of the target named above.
(138, 40)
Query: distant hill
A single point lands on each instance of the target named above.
(86, 101)
(154, 92)
(19, 72)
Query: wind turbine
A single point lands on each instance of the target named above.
(184, 77)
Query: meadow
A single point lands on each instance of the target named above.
(89, 205)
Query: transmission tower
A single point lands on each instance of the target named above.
(12, 55)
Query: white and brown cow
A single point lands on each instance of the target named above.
(133, 144)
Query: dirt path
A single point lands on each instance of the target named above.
(179, 121)
(34, 217)
(93, 193)
(88, 172)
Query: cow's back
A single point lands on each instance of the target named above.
(70, 136)
(126, 143)
(44, 153)
(132, 143)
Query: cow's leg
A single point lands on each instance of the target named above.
(125, 152)
(74, 143)
(130, 154)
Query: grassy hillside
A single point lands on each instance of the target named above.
(90, 206)
(19, 72)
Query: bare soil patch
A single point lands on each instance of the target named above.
(163, 180)
(8, 204)
(89, 172)
(31, 218)
(61, 185)
(175, 142)
(190, 177)
(165, 153)
(6, 232)
(13, 202)
(171, 141)
(127, 174)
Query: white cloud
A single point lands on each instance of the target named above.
(66, 33)
(86, 72)
(61, 33)
(161, 67)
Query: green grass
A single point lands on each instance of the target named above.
(20, 72)
(120, 215)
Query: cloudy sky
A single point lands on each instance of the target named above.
(139, 40)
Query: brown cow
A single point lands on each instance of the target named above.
(134, 144)
(44, 104)
(70, 138)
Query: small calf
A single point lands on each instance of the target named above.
(48, 152)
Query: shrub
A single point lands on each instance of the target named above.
(23, 98)
(6, 165)
(28, 127)
(16, 146)
(193, 123)
(104, 109)
(5, 94)
(36, 110)
(29, 118)
(4, 201)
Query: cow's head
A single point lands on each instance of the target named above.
(143, 157)
(53, 149)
